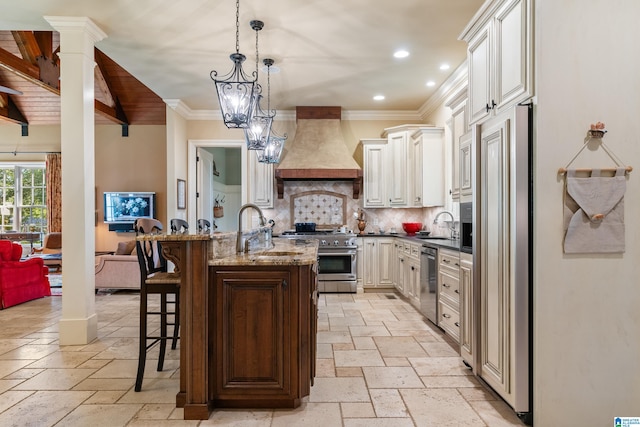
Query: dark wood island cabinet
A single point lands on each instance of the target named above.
(265, 335)
(248, 324)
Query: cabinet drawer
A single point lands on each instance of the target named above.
(449, 262)
(415, 252)
(450, 321)
(406, 248)
(450, 287)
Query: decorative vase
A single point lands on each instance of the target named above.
(362, 224)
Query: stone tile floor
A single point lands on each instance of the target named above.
(379, 363)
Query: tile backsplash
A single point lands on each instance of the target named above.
(320, 209)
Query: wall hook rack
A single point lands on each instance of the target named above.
(597, 131)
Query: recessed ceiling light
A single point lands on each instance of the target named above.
(400, 53)
(431, 83)
(444, 67)
(378, 97)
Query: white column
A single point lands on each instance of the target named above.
(78, 35)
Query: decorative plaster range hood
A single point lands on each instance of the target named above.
(318, 151)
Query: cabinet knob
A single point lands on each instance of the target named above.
(444, 285)
(446, 316)
(412, 268)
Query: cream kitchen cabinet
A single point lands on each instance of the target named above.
(408, 270)
(427, 183)
(449, 292)
(499, 54)
(261, 182)
(467, 310)
(398, 264)
(465, 169)
(457, 127)
(377, 266)
(385, 171)
(375, 174)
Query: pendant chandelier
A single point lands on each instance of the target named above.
(236, 89)
(272, 151)
(257, 133)
(274, 143)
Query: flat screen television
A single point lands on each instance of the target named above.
(125, 207)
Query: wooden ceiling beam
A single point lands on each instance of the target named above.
(24, 69)
(109, 112)
(28, 46)
(11, 113)
(103, 79)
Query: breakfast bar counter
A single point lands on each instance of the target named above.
(248, 322)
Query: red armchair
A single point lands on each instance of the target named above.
(20, 281)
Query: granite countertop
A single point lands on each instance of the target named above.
(174, 237)
(452, 244)
(284, 252)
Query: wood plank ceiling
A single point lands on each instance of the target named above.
(29, 63)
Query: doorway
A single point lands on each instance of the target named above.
(217, 171)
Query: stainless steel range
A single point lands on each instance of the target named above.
(336, 259)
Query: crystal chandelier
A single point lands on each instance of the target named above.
(272, 151)
(236, 89)
(260, 122)
(274, 143)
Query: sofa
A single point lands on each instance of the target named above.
(20, 280)
(120, 270)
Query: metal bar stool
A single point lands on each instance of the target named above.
(154, 279)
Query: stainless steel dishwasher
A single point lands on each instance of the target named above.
(429, 283)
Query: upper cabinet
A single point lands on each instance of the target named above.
(427, 167)
(457, 127)
(375, 171)
(500, 57)
(261, 182)
(405, 169)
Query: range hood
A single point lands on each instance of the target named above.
(318, 152)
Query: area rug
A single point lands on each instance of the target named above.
(55, 282)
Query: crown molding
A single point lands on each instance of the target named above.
(458, 80)
(290, 115)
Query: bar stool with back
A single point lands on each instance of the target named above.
(154, 279)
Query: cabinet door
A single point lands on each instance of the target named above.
(465, 167)
(458, 128)
(494, 262)
(253, 313)
(479, 57)
(384, 262)
(398, 188)
(417, 158)
(375, 193)
(512, 33)
(467, 312)
(261, 175)
(370, 256)
(414, 283)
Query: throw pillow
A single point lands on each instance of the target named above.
(125, 248)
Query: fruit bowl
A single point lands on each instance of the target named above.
(411, 228)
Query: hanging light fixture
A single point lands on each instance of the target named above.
(274, 143)
(272, 151)
(257, 133)
(236, 89)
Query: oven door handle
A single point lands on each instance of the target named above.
(351, 254)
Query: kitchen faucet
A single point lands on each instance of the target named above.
(239, 245)
(451, 227)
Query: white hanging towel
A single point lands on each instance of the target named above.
(594, 213)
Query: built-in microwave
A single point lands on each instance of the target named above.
(466, 227)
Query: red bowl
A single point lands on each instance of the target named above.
(411, 228)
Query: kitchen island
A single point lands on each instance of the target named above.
(248, 323)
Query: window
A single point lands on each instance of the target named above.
(22, 198)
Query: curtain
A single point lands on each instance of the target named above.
(54, 192)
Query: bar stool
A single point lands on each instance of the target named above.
(154, 279)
